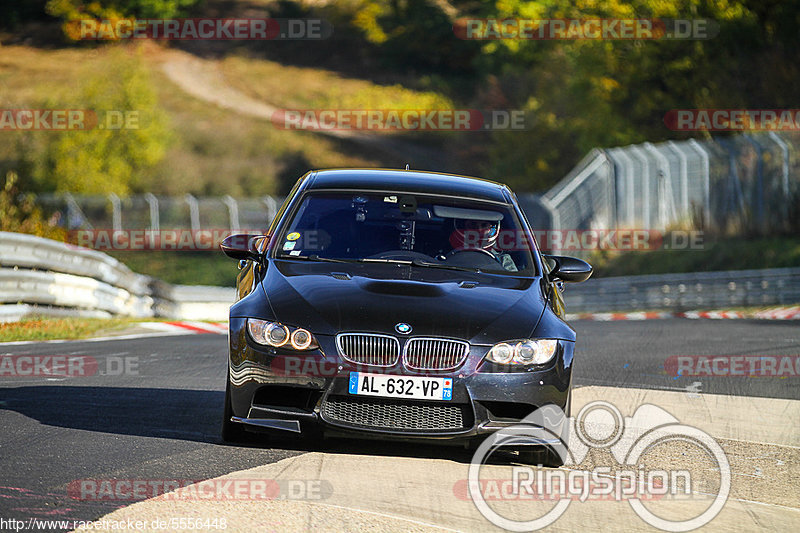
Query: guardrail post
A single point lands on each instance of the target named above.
(272, 208)
(116, 212)
(684, 175)
(706, 179)
(233, 212)
(759, 181)
(75, 215)
(784, 171)
(611, 193)
(152, 201)
(664, 187)
(194, 212)
(630, 198)
(636, 150)
(734, 188)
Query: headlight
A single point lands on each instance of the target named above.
(301, 339)
(277, 335)
(523, 352)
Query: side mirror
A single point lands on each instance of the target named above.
(242, 246)
(568, 268)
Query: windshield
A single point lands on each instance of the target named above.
(426, 231)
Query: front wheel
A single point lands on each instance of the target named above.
(231, 431)
(543, 455)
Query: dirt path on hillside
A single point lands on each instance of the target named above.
(203, 79)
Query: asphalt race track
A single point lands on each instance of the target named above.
(158, 419)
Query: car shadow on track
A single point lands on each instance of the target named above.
(167, 413)
(417, 450)
(192, 415)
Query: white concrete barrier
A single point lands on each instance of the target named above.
(44, 277)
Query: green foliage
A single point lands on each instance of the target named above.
(15, 12)
(723, 254)
(103, 160)
(148, 9)
(593, 93)
(576, 94)
(184, 268)
(74, 10)
(414, 34)
(611, 93)
(19, 213)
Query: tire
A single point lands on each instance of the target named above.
(231, 431)
(543, 455)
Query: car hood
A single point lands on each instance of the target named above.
(329, 298)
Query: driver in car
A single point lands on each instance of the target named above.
(480, 234)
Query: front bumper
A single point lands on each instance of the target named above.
(301, 392)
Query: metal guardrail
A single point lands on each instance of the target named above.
(41, 276)
(685, 292)
(27, 251)
(737, 183)
(148, 211)
(70, 291)
(44, 277)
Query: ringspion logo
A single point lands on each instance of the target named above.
(600, 426)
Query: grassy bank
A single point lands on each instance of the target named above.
(183, 268)
(213, 151)
(42, 329)
(723, 254)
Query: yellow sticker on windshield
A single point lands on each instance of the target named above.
(293, 236)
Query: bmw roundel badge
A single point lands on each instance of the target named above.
(403, 328)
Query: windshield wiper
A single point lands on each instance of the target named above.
(379, 260)
(421, 263)
(315, 257)
(407, 262)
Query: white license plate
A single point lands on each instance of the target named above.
(417, 387)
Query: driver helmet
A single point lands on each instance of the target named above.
(473, 234)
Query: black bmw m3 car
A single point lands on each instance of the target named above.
(396, 304)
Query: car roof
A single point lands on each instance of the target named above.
(412, 181)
